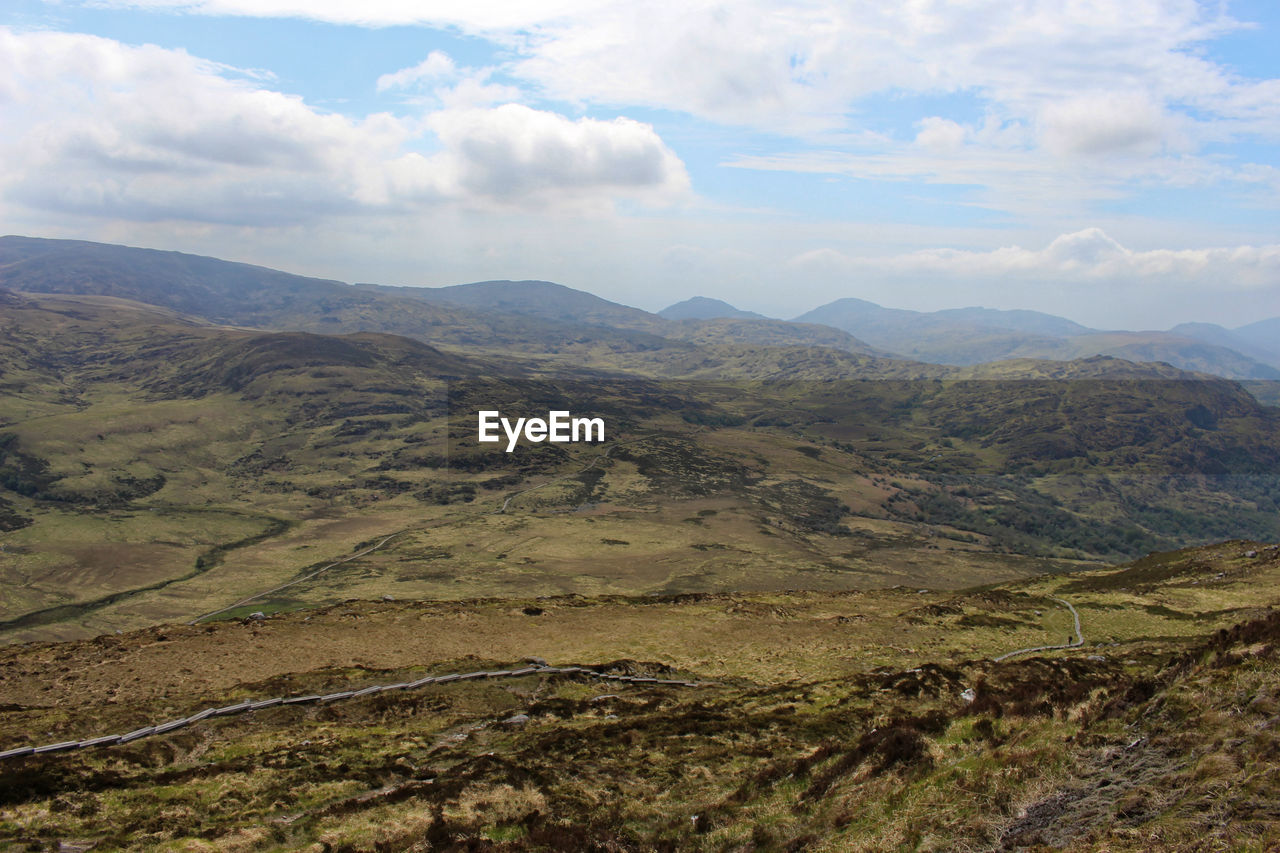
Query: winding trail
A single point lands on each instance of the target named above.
(317, 699)
(242, 602)
(63, 612)
(1074, 644)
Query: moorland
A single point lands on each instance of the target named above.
(220, 482)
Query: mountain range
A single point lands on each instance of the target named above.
(975, 335)
(555, 322)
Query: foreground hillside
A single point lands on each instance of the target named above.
(820, 721)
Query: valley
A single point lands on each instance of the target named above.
(222, 483)
(219, 462)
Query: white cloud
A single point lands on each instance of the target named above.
(437, 66)
(799, 64)
(447, 85)
(513, 151)
(1060, 83)
(940, 135)
(1105, 123)
(474, 15)
(98, 128)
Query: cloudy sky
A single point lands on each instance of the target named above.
(1116, 163)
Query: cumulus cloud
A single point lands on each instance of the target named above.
(472, 16)
(99, 128)
(436, 67)
(1059, 83)
(798, 64)
(514, 151)
(438, 81)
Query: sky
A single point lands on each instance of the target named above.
(1114, 163)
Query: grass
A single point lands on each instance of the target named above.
(834, 722)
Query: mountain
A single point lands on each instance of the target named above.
(962, 336)
(1257, 343)
(1264, 334)
(704, 308)
(553, 323)
(1018, 320)
(246, 295)
(967, 336)
(1181, 351)
(543, 299)
(542, 319)
(851, 314)
(221, 291)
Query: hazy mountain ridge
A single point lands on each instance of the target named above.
(966, 336)
(246, 295)
(547, 320)
(1259, 341)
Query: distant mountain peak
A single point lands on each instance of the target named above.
(706, 308)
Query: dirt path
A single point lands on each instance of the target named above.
(1074, 644)
(306, 577)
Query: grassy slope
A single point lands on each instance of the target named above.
(835, 723)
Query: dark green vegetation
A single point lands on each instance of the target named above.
(834, 722)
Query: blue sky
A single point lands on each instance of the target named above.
(1114, 163)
